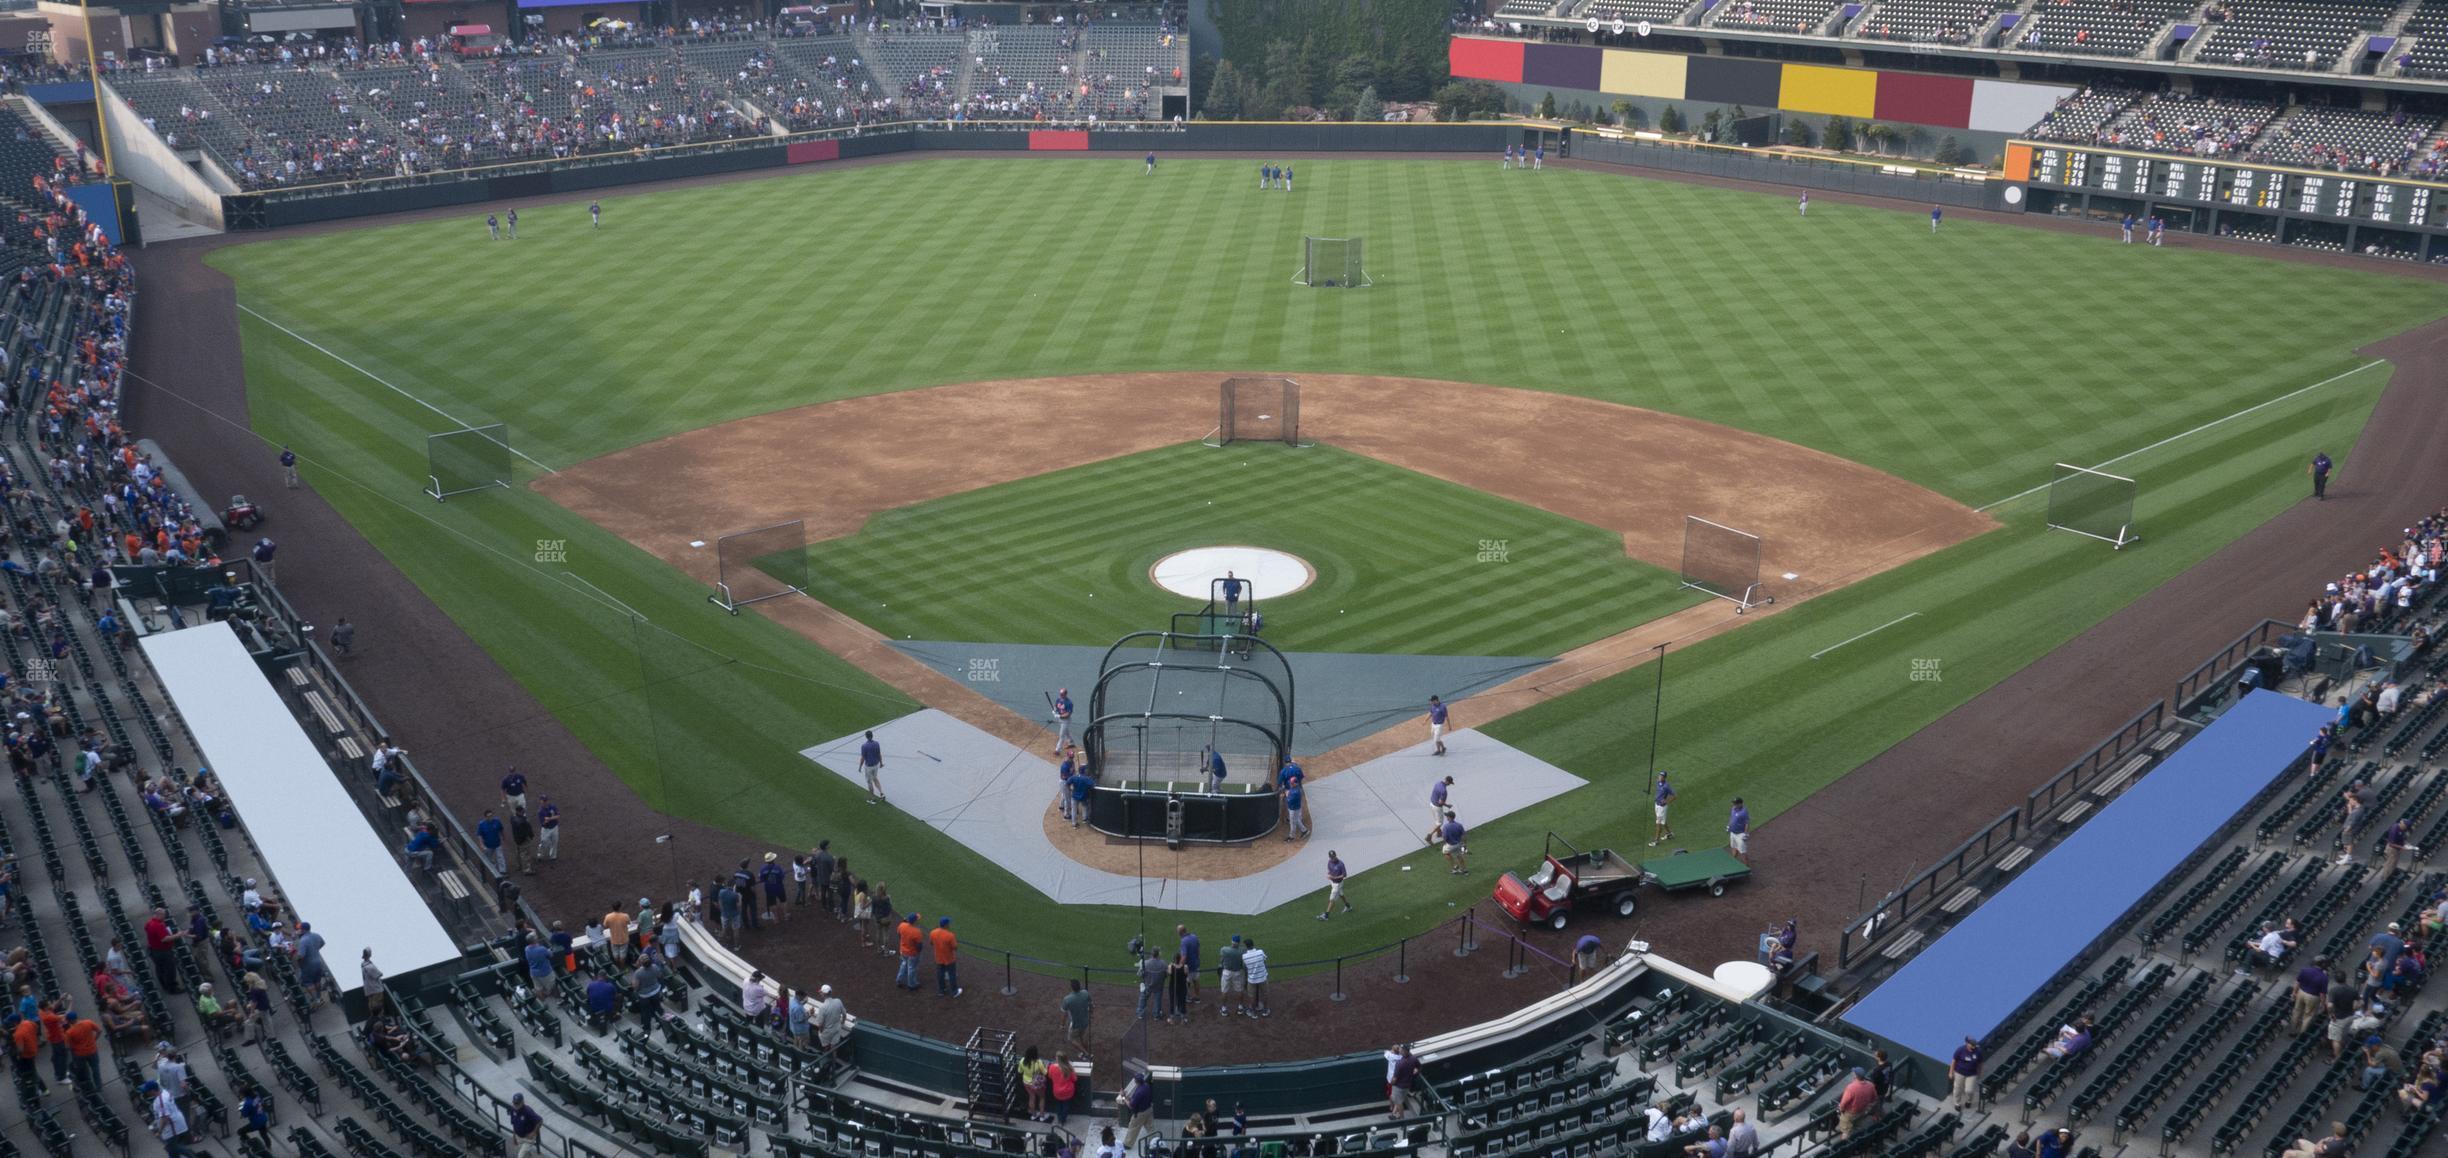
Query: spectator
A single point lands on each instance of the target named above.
(1856, 1102)
(2071, 1039)
(2380, 1063)
(2333, 1146)
(1078, 1008)
(947, 958)
(832, 1020)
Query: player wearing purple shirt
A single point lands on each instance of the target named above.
(1436, 723)
(1438, 793)
(1451, 833)
(1335, 873)
(1665, 795)
(1738, 831)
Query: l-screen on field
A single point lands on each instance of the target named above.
(980, 381)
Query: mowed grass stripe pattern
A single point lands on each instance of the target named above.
(1967, 361)
(1406, 563)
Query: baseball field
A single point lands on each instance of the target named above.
(1958, 366)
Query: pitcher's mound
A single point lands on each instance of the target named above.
(1269, 573)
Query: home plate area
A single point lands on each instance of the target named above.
(992, 796)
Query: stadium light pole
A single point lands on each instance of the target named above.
(93, 75)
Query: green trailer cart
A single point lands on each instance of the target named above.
(1712, 869)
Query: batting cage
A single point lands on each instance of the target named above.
(1258, 410)
(754, 566)
(473, 459)
(1722, 561)
(2092, 503)
(1338, 262)
(1166, 710)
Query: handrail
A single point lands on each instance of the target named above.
(2219, 667)
(1896, 909)
(2087, 768)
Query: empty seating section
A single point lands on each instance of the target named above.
(1025, 72)
(2297, 34)
(924, 69)
(1520, 8)
(2098, 27)
(2194, 126)
(2081, 116)
(271, 126)
(2351, 140)
(1140, 60)
(1929, 21)
(185, 115)
(825, 82)
(1806, 16)
(307, 131)
(2429, 27)
(1635, 11)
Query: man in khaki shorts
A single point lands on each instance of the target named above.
(1232, 985)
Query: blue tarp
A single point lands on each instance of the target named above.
(1968, 980)
(78, 92)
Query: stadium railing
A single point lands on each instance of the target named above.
(1897, 909)
(2111, 753)
(2218, 674)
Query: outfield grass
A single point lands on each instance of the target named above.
(1064, 558)
(1967, 362)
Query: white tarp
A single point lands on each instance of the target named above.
(336, 871)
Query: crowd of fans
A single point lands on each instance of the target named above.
(316, 112)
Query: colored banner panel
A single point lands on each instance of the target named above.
(1059, 140)
(2018, 162)
(1473, 59)
(1644, 74)
(1838, 92)
(1562, 66)
(101, 206)
(1730, 81)
(1921, 99)
(2005, 106)
(803, 152)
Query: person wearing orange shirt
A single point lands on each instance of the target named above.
(947, 958)
(27, 1040)
(55, 1035)
(85, 1051)
(911, 939)
(616, 933)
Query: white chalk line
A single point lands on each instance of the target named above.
(326, 352)
(1866, 634)
(2198, 429)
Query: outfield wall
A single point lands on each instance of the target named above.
(278, 209)
(1804, 170)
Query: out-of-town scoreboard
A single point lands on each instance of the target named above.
(2229, 185)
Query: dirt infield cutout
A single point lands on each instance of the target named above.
(1825, 520)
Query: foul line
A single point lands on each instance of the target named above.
(1871, 632)
(320, 349)
(2198, 429)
